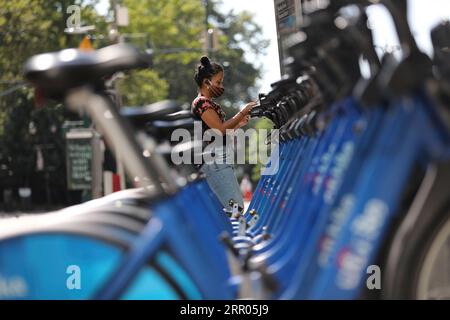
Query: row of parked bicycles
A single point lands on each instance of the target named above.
(358, 209)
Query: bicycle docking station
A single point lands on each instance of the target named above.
(364, 165)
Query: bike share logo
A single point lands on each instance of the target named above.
(365, 229)
(210, 147)
(338, 217)
(13, 287)
(342, 161)
(322, 169)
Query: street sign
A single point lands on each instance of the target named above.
(84, 161)
(79, 159)
(122, 18)
(288, 16)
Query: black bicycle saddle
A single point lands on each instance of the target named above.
(57, 72)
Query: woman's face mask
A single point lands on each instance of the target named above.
(216, 91)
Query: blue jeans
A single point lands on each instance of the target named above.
(223, 182)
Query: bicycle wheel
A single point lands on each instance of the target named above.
(422, 270)
(433, 272)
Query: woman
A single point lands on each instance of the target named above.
(220, 172)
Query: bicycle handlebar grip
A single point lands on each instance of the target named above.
(256, 112)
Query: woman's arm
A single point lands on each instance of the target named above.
(243, 122)
(211, 118)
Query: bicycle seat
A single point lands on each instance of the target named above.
(172, 125)
(55, 73)
(156, 111)
(180, 115)
(126, 204)
(134, 196)
(133, 202)
(191, 148)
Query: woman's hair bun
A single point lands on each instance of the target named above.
(206, 69)
(205, 61)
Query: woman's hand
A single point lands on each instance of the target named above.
(248, 107)
(244, 114)
(243, 122)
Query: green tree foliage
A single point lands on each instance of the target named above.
(242, 39)
(141, 87)
(31, 27)
(28, 28)
(180, 24)
(167, 24)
